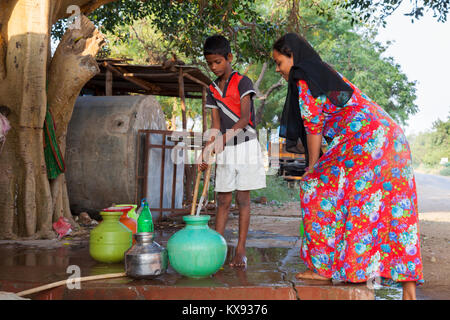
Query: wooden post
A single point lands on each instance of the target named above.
(182, 97)
(108, 83)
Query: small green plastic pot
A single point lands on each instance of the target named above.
(132, 213)
(196, 251)
(110, 239)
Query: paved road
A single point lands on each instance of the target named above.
(433, 192)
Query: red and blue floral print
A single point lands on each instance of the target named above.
(359, 203)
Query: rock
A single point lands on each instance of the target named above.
(85, 218)
(275, 202)
(433, 259)
(262, 200)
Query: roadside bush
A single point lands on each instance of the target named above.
(446, 170)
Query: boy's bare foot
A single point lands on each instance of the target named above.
(310, 275)
(239, 261)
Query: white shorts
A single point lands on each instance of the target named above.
(240, 167)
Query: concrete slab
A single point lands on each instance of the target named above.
(273, 262)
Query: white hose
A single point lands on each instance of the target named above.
(62, 282)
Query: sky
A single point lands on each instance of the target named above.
(422, 49)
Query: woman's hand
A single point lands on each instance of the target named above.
(305, 173)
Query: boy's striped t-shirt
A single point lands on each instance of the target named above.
(228, 103)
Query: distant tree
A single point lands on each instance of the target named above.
(352, 51)
(380, 9)
(429, 147)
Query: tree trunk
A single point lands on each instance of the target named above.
(26, 203)
(72, 66)
(25, 200)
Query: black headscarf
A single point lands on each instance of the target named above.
(321, 79)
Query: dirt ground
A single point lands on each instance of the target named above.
(434, 228)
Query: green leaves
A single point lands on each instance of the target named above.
(429, 147)
(374, 10)
(147, 31)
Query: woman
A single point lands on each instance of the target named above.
(358, 199)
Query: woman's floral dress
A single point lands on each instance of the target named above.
(359, 203)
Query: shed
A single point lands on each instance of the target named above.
(117, 77)
(152, 146)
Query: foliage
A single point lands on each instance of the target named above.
(380, 9)
(149, 31)
(428, 148)
(186, 24)
(276, 189)
(352, 51)
(446, 170)
(142, 42)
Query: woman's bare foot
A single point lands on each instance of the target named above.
(409, 290)
(239, 261)
(310, 275)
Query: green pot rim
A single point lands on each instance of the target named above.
(195, 218)
(111, 214)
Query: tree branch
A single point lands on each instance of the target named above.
(261, 76)
(275, 86)
(263, 99)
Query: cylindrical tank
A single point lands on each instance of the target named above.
(102, 148)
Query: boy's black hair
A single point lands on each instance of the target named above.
(217, 44)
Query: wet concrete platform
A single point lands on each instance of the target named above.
(270, 274)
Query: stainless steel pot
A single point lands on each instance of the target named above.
(146, 258)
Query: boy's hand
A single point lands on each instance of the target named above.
(205, 157)
(202, 166)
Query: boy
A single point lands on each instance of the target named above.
(239, 164)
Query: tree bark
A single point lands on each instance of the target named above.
(25, 199)
(26, 203)
(73, 64)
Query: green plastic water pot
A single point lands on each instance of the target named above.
(132, 213)
(110, 239)
(197, 251)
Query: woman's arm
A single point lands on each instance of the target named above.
(314, 145)
(313, 120)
